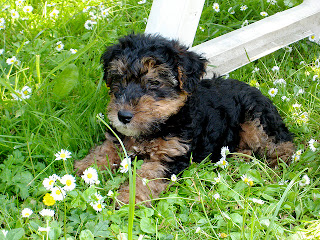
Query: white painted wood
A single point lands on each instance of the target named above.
(237, 48)
(175, 19)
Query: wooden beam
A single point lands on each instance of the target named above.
(235, 49)
(175, 19)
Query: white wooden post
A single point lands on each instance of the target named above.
(235, 49)
(175, 19)
(178, 19)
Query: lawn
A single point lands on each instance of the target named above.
(52, 110)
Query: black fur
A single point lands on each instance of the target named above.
(214, 109)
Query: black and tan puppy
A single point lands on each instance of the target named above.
(164, 111)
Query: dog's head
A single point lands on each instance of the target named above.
(150, 78)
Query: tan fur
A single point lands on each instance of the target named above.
(253, 137)
(149, 170)
(104, 155)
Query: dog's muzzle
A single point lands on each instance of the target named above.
(125, 116)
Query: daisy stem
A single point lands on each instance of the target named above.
(38, 68)
(65, 219)
(47, 229)
(65, 167)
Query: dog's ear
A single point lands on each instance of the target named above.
(107, 57)
(190, 68)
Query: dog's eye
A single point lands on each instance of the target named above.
(153, 84)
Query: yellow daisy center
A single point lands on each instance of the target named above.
(51, 182)
(62, 155)
(224, 162)
(89, 175)
(68, 182)
(27, 214)
(251, 183)
(58, 192)
(99, 206)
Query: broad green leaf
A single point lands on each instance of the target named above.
(15, 234)
(66, 81)
(147, 225)
(86, 235)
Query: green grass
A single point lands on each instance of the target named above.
(67, 94)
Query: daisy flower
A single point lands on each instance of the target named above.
(90, 176)
(63, 154)
(86, 9)
(245, 23)
(264, 14)
(243, 8)
(19, 3)
(231, 10)
(48, 200)
(225, 151)
(54, 13)
(58, 194)
(223, 235)
(201, 29)
(173, 178)
(216, 7)
(2, 21)
(24, 93)
(27, 9)
(275, 68)
(44, 229)
(73, 51)
(311, 145)
(272, 2)
(216, 196)
(104, 13)
(295, 157)
(218, 179)
(14, 14)
(288, 49)
(59, 46)
(314, 78)
(256, 69)
(285, 98)
(305, 180)
(314, 38)
(12, 60)
(273, 92)
(2, 26)
(69, 181)
(26, 213)
(144, 181)
(142, 1)
(89, 24)
(303, 117)
(259, 201)
(247, 180)
(198, 229)
(110, 194)
(223, 163)
(46, 212)
(98, 206)
(100, 115)
(124, 165)
(280, 81)
(49, 182)
(296, 106)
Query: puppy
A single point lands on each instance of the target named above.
(164, 111)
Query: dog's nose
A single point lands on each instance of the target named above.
(125, 116)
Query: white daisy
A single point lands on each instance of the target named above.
(110, 194)
(216, 7)
(14, 14)
(198, 229)
(272, 2)
(90, 176)
(223, 163)
(173, 178)
(2, 26)
(44, 229)
(280, 81)
(312, 145)
(218, 179)
(264, 14)
(54, 13)
(305, 180)
(98, 206)
(69, 181)
(49, 182)
(295, 157)
(314, 78)
(245, 23)
(86, 9)
(124, 165)
(243, 8)
(24, 93)
(231, 10)
(26, 212)
(259, 201)
(12, 60)
(142, 1)
(58, 194)
(275, 68)
(144, 181)
(314, 38)
(2, 21)
(216, 196)
(285, 98)
(46, 212)
(247, 180)
(105, 12)
(63, 154)
(19, 3)
(225, 151)
(59, 46)
(256, 69)
(304, 117)
(27, 9)
(73, 51)
(89, 24)
(273, 92)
